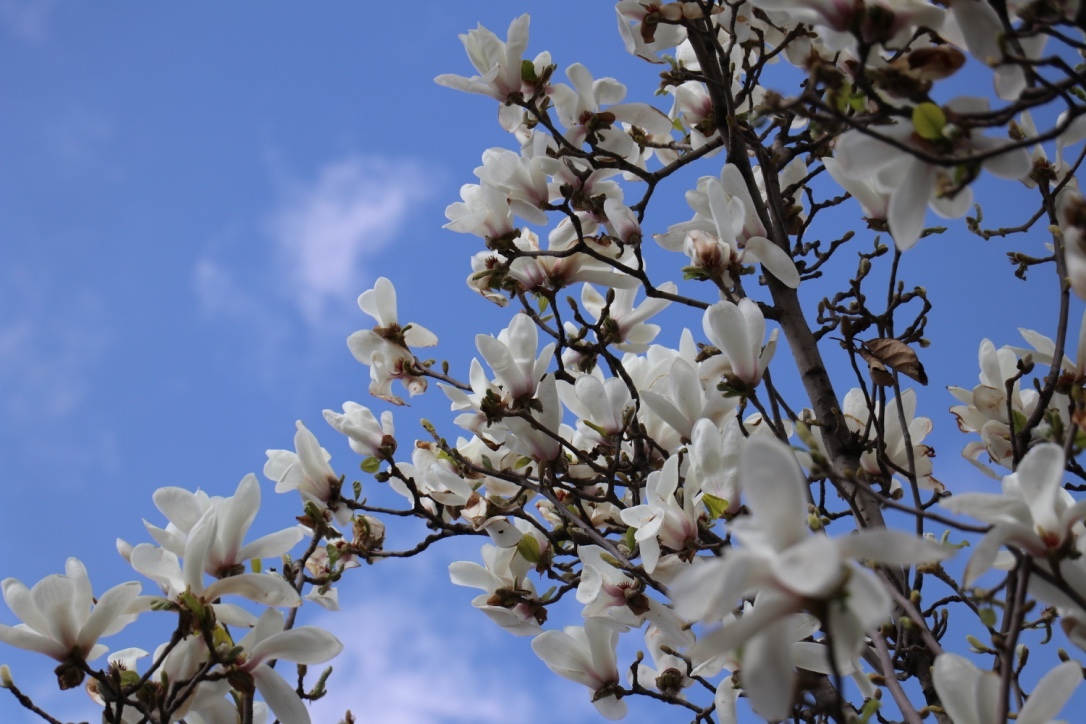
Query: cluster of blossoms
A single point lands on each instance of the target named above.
(669, 490)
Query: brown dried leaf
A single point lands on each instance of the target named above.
(896, 355)
(879, 375)
(936, 62)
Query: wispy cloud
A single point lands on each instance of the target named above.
(325, 229)
(317, 240)
(47, 347)
(403, 665)
(52, 343)
(27, 19)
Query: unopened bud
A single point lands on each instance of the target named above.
(5, 677)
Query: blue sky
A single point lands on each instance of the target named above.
(192, 197)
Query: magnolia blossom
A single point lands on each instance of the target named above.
(1071, 215)
(788, 569)
(1034, 512)
(914, 184)
(62, 619)
(870, 21)
(971, 696)
(368, 437)
(267, 642)
(585, 654)
(498, 62)
(625, 327)
(508, 599)
(726, 229)
(183, 581)
(986, 406)
(385, 347)
(228, 553)
(602, 406)
(307, 471)
(662, 522)
(513, 358)
(580, 111)
(611, 594)
(737, 331)
(893, 438)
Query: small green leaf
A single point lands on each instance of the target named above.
(630, 539)
(1018, 421)
(257, 565)
(870, 707)
(988, 617)
(716, 506)
(371, 465)
(521, 462)
(357, 489)
(543, 302)
(929, 120)
(528, 548)
(527, 71)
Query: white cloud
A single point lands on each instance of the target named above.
(27, 19)
(48, 348)
(326, 229)
(398, 668)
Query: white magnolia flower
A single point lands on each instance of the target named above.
(307, 471)
(499, 63)
(726, 229)
(484, 211)
(661, 521)
(368, 436)
(515, 359)
(869, 21)
(610, 593)
(508, 599)
(857, 417)
(62, 619)
(385, 348)
(1034, 512)
(971, 696)
(585, 654)
(789, 569)
(182, 580)
(580, 110)
(914, 184)
(601, 406)
(737, 331)
(986, 406)
(625, 326)
(268, 642)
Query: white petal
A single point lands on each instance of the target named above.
(304, 645)
(774, 488)
(768, 675)
(267, 589)
(1051, 693)
(280, 697)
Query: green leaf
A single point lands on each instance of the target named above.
(357, 489)
(870, 707)
(521, 462)
(1018, 421)
(543, 302)
(716, 506)
(929, 120)
(371, 465)
(988, 617)
(528, 548)
(257, 565)
(630, 539)
(527, 71)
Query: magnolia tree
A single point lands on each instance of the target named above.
(791, 547)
